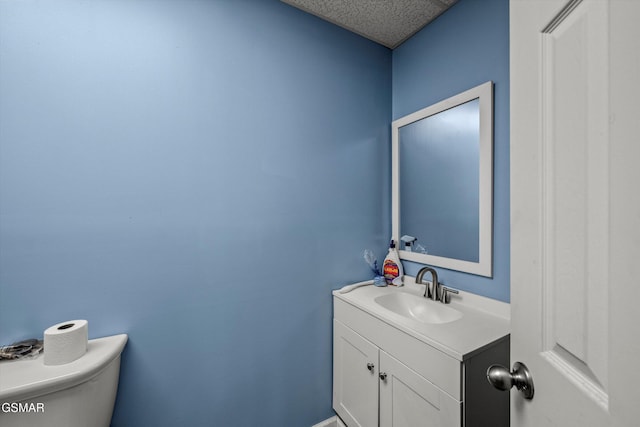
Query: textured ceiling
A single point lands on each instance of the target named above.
(388, 22)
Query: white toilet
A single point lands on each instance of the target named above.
(78, 394)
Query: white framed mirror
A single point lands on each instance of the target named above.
(442, 183)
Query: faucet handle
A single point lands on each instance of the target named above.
(445, 294)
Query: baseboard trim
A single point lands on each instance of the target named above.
(331, 422)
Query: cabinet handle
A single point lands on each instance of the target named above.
(383, 376)
(370, 366)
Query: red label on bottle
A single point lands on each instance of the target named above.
(390, 270)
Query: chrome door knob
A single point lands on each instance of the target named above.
(520, 377)
(370, 366)
(383, 376)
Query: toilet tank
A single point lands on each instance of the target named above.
(78, 394)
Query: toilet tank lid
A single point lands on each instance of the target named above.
(25, 379)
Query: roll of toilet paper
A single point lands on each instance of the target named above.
(65, 342)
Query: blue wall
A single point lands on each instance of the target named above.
(199, 175)
(464, 47)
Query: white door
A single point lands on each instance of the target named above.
(355, 377)
(409, 400)
(575, 210)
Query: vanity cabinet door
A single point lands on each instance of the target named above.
(355, 377)
(409, 400)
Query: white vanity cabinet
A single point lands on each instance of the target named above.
(407, 399)
(372, 388)
(383, 376)
(356, 366)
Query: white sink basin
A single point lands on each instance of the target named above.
(418, 308)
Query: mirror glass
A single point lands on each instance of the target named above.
(443, 182)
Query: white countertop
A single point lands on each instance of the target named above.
(484, 320)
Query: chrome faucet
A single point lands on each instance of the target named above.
(432, 291)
